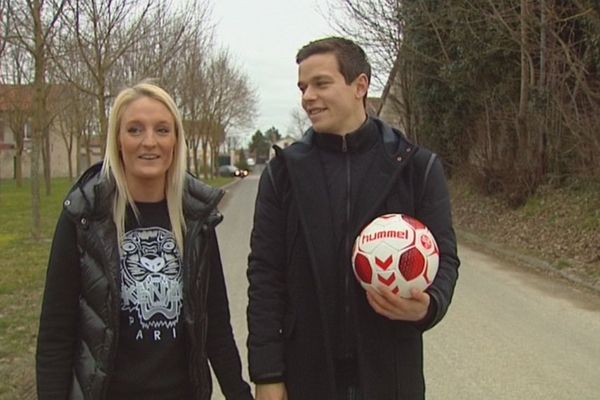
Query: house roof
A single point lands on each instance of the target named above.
(20, 97)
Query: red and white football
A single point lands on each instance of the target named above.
(395, 251)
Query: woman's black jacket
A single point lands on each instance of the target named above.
(77, 341)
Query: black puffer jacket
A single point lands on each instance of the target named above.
(94, 345)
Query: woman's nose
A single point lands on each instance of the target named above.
(148, 139)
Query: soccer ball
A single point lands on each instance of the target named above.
(395, 251)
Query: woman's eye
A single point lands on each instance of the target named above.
(134, 130)
(163, 131)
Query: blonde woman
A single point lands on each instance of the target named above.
(135, 304)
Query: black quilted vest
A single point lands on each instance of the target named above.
(89, 205)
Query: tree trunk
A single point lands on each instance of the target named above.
(205, 158)
(19, 167)
(19, 147)
(46, 160)
(70, 156)
(38, 120)
(543, 45)
(102, 112)
(524, 91)
(78, 166)
(195, 157)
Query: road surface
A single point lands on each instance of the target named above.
(510, 333)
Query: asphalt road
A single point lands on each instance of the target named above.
(510, 333)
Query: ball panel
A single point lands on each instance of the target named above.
(411, 264)
(425, 242)
(416, 224)
(362, 266)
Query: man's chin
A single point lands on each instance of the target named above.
(320, 126)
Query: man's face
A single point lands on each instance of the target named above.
(332, 105)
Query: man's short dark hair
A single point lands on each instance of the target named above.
(351, 58)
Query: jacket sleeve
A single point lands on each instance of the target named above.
(435, 212)
(59, 317)
(221, 348)
(267, 283)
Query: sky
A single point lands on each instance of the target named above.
(263, 37)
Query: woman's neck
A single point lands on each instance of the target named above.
(151, 191)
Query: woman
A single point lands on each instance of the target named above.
(135, 301)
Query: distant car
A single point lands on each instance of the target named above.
(232, 170)
(241, 173)
(251, 162)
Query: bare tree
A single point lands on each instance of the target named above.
(5, 23)
(103, 32)
(16, 75)
(375, 24)
(229, 101)
(74, 117)
(299, 122)
(18, 119)
(166, 33)
(34, 22)
(189, 83)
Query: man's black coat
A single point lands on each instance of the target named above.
(289, 311)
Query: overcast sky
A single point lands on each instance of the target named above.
(263, 37)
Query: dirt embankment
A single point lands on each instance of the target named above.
(557, 231)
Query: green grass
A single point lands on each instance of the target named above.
(22, 273)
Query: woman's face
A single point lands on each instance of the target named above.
(146, 141)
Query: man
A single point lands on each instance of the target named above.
(314, 333)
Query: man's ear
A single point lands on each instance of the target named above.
(362, 85)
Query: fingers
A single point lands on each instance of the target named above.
(394, 307)
(378, 303)
(419, 295)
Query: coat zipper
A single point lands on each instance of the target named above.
(346, 349)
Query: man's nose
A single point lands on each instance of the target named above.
(308, 94)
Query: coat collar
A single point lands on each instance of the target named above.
(359, 141)
(307, 175)
(92, 196)
(309, 188)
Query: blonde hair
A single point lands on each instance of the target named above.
(113, 163)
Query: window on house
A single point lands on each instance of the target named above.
(28, 132)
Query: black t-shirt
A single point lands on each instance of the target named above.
(151, 358)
